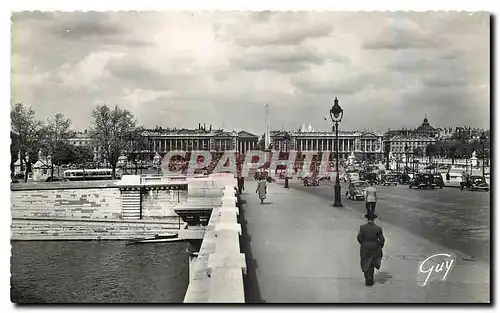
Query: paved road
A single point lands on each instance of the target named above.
(301, 249)
(450, 217)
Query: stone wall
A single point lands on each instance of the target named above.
(159, 204)
(50, 229)
(89, 213)
(93, 203)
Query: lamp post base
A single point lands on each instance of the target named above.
(338, 200)
(286, 182)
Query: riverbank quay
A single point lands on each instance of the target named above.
(135, 206)
(305, 250)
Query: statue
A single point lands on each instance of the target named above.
(40, 155)
(351, 158)
(157, 159)
(474, 154)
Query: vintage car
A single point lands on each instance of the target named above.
(311, 181)
(389, 180)
(475, 183)
(438, 180)
(270, 179)
(422, 181)
(370, 178)
(357, 190)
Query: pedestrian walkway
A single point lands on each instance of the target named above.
(305, 250)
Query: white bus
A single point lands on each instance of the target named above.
(90, 174)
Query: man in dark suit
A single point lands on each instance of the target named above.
(241, 184)
(372, 241)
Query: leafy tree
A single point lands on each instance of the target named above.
(418, 152)
(14, 150)
(111, 130)
(56, 134)
(29, 132)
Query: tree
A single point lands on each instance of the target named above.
(82, 154)
(430, 151)
(418, 152)
(111, 130)
(14, 150)
(29, 133)
(56, 135)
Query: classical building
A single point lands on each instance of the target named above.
(417, 139)
(365, 145)
(214, 140)
(81, 138)
(415, 143)
(425, 130)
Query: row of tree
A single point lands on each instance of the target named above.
(112, 130)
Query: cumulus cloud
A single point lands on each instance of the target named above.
(178, 69)
(403, 33)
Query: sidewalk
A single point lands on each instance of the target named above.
(305, 250)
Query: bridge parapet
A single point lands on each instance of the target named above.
(217, 269)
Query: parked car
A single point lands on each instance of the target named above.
(422, 181)
(371, 178)
(438, 180)
(311, 181)
(357, 190)
(389, 180)
(475, 183)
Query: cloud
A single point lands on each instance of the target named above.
(271, 29)
(133, 72)
(182, 68)
(403, 33)
(283, 60)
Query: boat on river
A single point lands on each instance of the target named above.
(156, 239)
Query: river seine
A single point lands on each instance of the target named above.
(98, 272)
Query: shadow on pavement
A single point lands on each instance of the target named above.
(382, 277)
(250, 283)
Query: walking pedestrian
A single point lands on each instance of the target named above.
(371, 199)
(241, 184)
(372, 241)
(261, 189)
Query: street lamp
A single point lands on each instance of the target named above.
(406, 158)
(482, 139)
(286, 138)
(387, 151)
(336, 114)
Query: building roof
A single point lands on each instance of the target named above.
(412, 137)
(294, 133)
(425, 127)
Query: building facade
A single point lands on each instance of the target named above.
(218, 141)
(81, 139)
(416, 145)
(406, 142)
(365, 145)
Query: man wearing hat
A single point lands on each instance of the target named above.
(372, 241)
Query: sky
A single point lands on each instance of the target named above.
(178, 69)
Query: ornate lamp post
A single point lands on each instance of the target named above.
(406, 158)
(482, 139)
(387, 150)
(336, 114)
(286, 138)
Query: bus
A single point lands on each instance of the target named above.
(90, 174)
